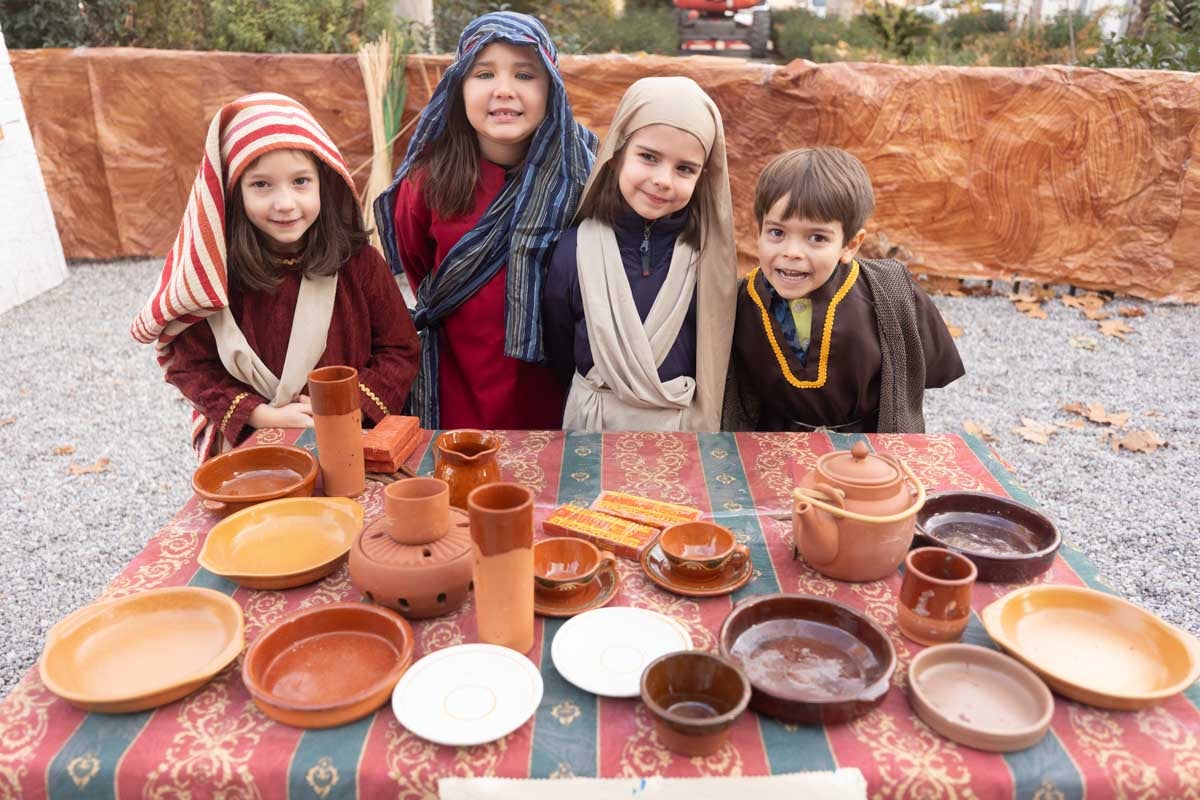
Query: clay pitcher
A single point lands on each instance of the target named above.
(501, 517)
(465, 459)
(855, 514)
(338, 424)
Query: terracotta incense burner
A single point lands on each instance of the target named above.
(416, 558)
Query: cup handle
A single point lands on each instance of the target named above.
(608, 563)
(741, 554)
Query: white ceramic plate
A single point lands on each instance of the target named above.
(467, 695)
(604, 651)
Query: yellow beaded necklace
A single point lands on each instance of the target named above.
(826, 333)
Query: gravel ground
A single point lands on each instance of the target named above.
(77, 379)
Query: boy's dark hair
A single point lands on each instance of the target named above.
(336, 235)
(451, 165)
(824, 184)
(605, 203)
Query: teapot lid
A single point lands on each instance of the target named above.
(859, 467)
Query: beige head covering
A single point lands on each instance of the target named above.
(681, 103)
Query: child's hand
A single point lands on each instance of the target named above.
(293, 415)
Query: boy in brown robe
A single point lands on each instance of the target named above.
(824, 340)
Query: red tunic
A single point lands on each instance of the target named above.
(478, 386)
(370, 330)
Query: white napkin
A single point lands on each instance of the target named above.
(844, 784)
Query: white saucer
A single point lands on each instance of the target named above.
(605, 650)
(468, 694)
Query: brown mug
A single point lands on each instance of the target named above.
(564, 566)
(935, 595)
(700, 550)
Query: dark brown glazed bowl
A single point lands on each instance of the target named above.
(249, 475)
(695, 698)
(809, 660)
(1008, 542)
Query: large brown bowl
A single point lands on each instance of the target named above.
(809, 660)
(328, 665)
(249, 475)
(1008, 542)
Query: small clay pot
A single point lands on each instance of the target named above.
(465, 459)
(564, 566)
(935, 596)
(249, 475)
(337, 421)
(418, 510)
(501, 516)
(695, 698)
(700, 550)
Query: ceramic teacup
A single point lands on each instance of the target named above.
(420, 509)
(700, 550)
(935, 595)
(564, 566)
(695, 697)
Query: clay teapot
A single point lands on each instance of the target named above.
(855, 514)
(465, 459)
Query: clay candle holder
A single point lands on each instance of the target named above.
(501, 517)
(418, 510)
(700, 550)
(935, 596)
(564, 567)
(695, 698)
(338, 423)
(465, 459)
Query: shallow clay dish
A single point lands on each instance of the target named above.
(734, 575)
(1094, 647)
(598, 593)
(141, 651)
(1008, 542)
(809, 659)
(604, 651)
(695, 698)
(328, 665)
(240, 478)
(283, 543)
(979, 697)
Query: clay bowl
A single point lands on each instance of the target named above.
(809, 660)
(700, 549)
(564, 566)
(328, 665)
(979, 697)
(695, 698)
(1008, 542)
(240, 478)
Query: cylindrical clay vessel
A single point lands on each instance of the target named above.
(501, 517)
(338, 424)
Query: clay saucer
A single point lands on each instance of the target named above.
(328, 665)
(979, 697)
(731, 577)
(598, 593)
(248, 475)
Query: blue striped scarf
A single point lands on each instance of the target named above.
(519, 228)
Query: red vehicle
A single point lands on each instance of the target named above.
(715, 24)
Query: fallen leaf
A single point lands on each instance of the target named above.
(1096, 316)
(1083, 302)
(1030, 309)
(1073, 408)
(1115, 328)
(980, 431)
(939, 284)
(1131, 311)
(1036, 292)
(1074, 424)
(955, 331)
(64, 450)
(1137, 441)
(7, 421)
(1033, 431)
(1096, 413)
(80, 469)
(1083, 343)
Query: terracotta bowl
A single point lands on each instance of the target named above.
(328, 665)
(809, 660)
(1008, 542)
(979, 697)
(240, 478)
(564, 566)
(695, 698)
(700, 549)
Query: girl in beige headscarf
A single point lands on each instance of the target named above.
(640, 300)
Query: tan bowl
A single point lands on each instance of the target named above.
(979, 697)
(141, 651)
(249, 475)
(1094, 647)
(328, 665)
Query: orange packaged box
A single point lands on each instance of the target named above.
(644, 511)
(390, 443)
(607, 532)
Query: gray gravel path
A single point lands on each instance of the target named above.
(73, 377)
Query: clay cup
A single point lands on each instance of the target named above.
(564, 566)
(421, 508)
(700, 550)
(695, 697)
(935, 596)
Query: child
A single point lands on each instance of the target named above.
(653, 257)
(272, 255)
(491, 177)
(825, 341)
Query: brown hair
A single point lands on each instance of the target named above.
(604, 203)
(336, 235)
(453, 160)
(824, 184)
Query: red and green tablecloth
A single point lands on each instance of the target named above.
(216, 742)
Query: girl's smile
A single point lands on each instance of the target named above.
(281, 192)
(505, 95)
(659, 170)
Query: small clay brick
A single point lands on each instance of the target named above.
(607, 532)
(387, 439)
(643, 510)
(391, 464)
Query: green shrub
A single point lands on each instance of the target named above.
(571, 23)
(797, 31)
(66, 23)
(900, 28)
(1160, 45)
(299, 26)
(964, 27)
(640, 30)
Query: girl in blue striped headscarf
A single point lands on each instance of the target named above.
(491, 177)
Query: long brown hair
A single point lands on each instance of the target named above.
(451, 165)
(336, 235)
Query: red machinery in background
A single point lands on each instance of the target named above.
(716, 24)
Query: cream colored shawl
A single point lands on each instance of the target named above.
(622, 391)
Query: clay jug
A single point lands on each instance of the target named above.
(338, 423)
(855, 514)
(465, 459)
(501, 517)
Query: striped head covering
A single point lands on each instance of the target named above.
(521, 226)
(195, 278)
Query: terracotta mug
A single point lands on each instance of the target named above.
(564, 566)
(465, 459)
(501, 516)
(418, 508)
(694, 697)
(700, 550)
(338, 423)
(935, 595)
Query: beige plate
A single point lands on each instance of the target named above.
(283, 543)
(1094, 647)
(142, 651)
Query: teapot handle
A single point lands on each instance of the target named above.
(824, 492)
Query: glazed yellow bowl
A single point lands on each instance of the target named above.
(1094, 647)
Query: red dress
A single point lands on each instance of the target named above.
(478, 386)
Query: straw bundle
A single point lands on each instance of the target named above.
(382, 64)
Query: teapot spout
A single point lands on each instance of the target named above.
(814, 532)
